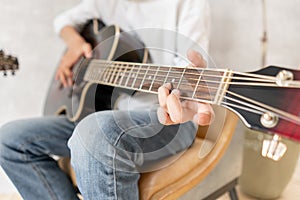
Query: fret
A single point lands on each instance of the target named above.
(123, 74)
(91, 73)
(136, 76)
(165, 81)
(224, 83)
(105, 74)
(94, 74)
(187, 82)
(118, 74)
(149, 77)
(97, 73)
(133, 75)
(209, 85)
(140, 76)
(114, 69)
(129, 75)
(143, 80)
(110, 71)
(193, 83)
(173, 76)
(153, 80)
(197, 84)
(181, 77)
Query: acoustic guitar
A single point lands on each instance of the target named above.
(8, 63)
(267, 100)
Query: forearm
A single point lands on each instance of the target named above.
(70, 36)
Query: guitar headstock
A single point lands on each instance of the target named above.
(8, 63)
(267, 100)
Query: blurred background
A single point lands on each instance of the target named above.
(236, 43)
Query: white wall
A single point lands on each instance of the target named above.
(237, 31)
(27, 32)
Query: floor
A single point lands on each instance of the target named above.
(292, 192)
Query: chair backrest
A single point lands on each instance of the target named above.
(191, 168)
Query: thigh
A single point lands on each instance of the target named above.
(46, 135)
(134, 135)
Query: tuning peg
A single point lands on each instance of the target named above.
(15, 63)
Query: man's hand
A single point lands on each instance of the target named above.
(173, 111)
(77, 47)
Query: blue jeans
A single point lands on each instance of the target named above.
(109, 150)
(26, 147)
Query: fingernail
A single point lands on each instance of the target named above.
(176, 92)
(168, 86)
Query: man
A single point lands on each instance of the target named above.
(109, 149)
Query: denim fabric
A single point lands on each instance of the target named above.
(110, 149)
(26, 147)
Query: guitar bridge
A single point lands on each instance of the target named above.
(273, 149)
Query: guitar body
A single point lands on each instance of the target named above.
(85, 97)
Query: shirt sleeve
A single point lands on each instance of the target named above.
(193, 27)
(77, 16)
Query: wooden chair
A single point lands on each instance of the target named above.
(190, 169)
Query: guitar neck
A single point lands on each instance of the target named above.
(204, 85)
(252, 96)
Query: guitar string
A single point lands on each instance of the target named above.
(283, 114)
(280, 113)
(266, 78)
(257, 107)
(124, 72)
(261, 78)
(260, 109)
(209, 93)
(295, 83)
(256, 84)
(119, 63)
(196, 75)
(293, 117)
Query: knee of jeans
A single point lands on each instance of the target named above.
(87, 142)
(87, 133)
(95, 137)
(96, 127)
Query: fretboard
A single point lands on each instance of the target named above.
(205, 85)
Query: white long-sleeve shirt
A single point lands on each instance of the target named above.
(178, 25)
